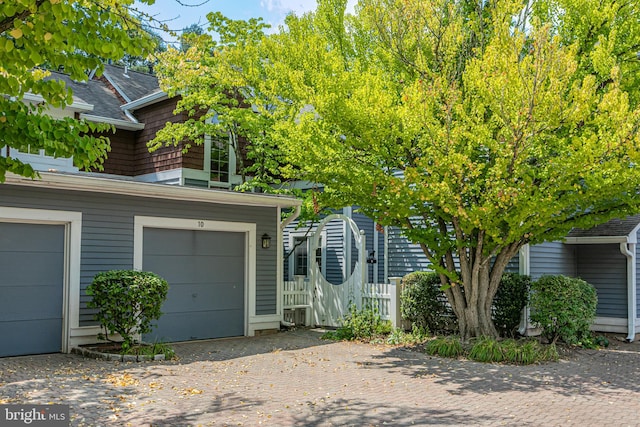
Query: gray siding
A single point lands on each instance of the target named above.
(605, 268)
(107, 231)
(368, 226)
(551, 258)
(404, 257)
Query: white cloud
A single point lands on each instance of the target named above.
(297, 6)
(279, 9)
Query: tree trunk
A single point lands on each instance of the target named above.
(472, 300)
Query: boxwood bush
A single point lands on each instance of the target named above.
(512, 297)
(564, 307)
(424, 304)
(127, 302)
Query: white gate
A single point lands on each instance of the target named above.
(331, 302)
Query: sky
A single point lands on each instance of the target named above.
(272, 12)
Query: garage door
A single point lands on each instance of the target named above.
(205, 271)
(31, 288)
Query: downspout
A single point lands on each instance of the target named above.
(524, 269)
(630, 252)
(386, 254)
(130, 116)
(288, 220)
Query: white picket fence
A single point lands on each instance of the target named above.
(383, 297)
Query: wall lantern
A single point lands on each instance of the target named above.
(266, 241)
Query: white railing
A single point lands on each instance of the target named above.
(297, 293)
(377, 296)
(383, 297)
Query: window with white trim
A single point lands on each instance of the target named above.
(301, 264)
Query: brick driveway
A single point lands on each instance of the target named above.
(294, 378)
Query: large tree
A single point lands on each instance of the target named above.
(476, 127)
(40, 35)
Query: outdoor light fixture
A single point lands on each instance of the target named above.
(266, 241)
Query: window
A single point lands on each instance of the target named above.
(220, 160)
(301, 264)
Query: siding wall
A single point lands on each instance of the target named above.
(551, 258)
(155, 118)
(368, 225)
(119, 160)
(107, 231)
(605, 268)
(406, 257)
(334, 249)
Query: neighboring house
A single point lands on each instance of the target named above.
(57, 232)
(605, 256)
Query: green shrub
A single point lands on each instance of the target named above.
(127, 302)
(364, 324)
(399, 336)
(486, 350)
(564, 308)
(448, 346)
(510, 300)
(424, 304)
(526, 352)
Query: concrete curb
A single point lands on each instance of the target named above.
(93, 354)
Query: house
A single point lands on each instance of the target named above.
(605, 256)
(210, 244)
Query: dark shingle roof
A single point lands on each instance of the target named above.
(615, 227)
(133, 84)
(105, 102)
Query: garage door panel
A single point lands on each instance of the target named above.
(31, 288)
(20, 237)
(204, 296)
(205, 271)
(30, 302)
(188, 242)
(201, 269)
(32, 269)
(198, 325)
(30, 337)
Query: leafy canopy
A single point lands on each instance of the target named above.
(36, 35)
(476, 127)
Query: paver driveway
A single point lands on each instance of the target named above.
(294, 378)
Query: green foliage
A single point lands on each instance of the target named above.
(424, 303)
(364, 324)
(78, 36)
(490, 350)
(564, 308)
(448, 346)
(509, 124)
(510, 300)
(127, 302)
(486, 349)
(152, 350)
(523, 352)
(399, 336)
(506, 123)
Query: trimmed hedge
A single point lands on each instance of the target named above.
(564, 307)
(127, 302)
(424, 304)
(512, 297)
